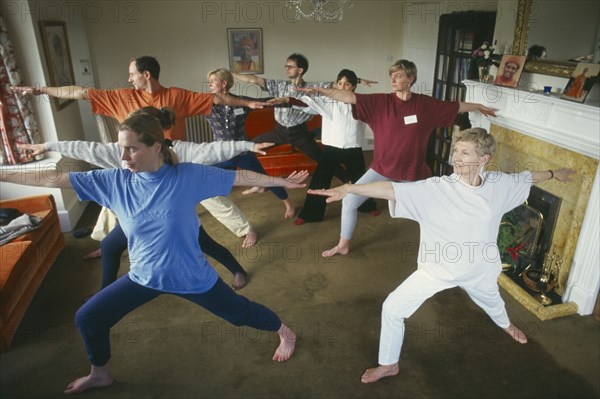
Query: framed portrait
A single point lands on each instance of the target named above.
(58, 57)
(509, 72)
(245, 50)
(581, 81)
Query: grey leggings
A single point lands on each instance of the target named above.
(351, 202)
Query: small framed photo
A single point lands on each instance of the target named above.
(245, 50)
(58, 57)
(510, 70)
(581, 82)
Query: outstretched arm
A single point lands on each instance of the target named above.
(234, 101)
(99, 154)
(469, 107)
(380, 189)
(109, 155)
(216, 151)
(344, 96)
(257, 80)
(19, 175)
(65, 92)
(367, 82)
(253, 179)
(564, 175)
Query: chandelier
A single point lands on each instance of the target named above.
(319, 10)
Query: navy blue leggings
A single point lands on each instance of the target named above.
(249, 161)
(115, 243)
(95, 318)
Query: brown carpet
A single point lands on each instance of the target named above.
(172, 349)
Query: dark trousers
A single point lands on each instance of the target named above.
(354, 162)
(299, 138)
(95, 318)
(115, 243)
(249, 161)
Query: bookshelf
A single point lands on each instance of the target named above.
(459, 34)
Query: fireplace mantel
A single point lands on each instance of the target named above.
(563, 123)
(567, 125)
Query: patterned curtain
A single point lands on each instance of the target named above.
(17, 122)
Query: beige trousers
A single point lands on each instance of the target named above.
(228, 213)
(107, 221)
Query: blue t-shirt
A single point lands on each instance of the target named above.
(157, 212)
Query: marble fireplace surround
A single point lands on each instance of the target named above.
(537, 132)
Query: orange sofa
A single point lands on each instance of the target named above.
(283, 159)
(25, 261)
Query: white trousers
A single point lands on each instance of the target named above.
(419, 286)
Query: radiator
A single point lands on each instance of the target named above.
(197, 130)
(108, 128)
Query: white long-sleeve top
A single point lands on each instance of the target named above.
(109, 155)
(338, 127)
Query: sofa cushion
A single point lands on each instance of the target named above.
(25, 261)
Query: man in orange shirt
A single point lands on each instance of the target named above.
(147, 91)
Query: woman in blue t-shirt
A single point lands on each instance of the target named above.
(156, 207)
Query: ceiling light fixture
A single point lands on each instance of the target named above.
(319, 10)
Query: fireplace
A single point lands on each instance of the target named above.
(538, 133)
(548, 206)
(525, 244)
(526, 232)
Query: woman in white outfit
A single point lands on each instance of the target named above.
(459, 216)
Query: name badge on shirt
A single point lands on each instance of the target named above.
(409, 120)
(238, 111)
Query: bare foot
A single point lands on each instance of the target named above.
(516, 334)
(98, 378)
(285, 350)
(239, 281)
(290, 210)
(338, 249)
(250, 239)
(253, 190)
(377, 373)
(93, 255)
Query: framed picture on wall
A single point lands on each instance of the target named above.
(58, 57)
(510, 70)
(245, 50)
(581, 81)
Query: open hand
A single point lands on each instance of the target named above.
(332, 194)
(257, 105)
(487, 110)
(564, 174)
(367, 82)
(259, 148)
(25, 90)
(295, 179)
(278, 100)
(32, 150)
(308, 90)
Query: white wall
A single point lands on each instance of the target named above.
(189, 38)
(22, 21)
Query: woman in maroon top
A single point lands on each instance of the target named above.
(401, 122)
